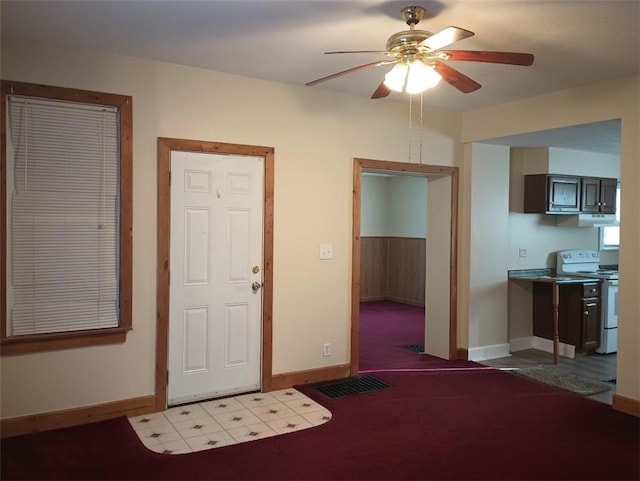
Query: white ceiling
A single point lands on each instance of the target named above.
(575, 42)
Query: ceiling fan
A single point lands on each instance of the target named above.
(419, 57)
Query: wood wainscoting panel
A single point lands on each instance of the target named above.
(406, 270)
(373, 268)
(393, 268)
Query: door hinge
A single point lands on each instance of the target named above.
(169, 177)
(167, 377)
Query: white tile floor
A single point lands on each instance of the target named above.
(221, 422)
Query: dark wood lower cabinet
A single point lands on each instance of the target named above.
(578, 314)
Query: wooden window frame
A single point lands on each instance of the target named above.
(11, 345)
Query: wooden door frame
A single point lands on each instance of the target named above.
(419, 170)
(165, 147)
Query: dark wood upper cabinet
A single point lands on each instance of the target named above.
(551, 194)
(590, 194)
(566, 194)
(608, 195)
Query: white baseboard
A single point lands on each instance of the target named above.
(485, 353)
(546, 345)
(521, 343)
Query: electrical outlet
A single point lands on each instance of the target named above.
(522, 252)
(326, 349)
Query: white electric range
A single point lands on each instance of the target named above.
(586, 263)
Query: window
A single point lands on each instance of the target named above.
(610, 235)
(66, 218)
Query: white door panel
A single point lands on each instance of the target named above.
(216, 240)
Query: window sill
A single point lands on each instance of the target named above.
(67, 340)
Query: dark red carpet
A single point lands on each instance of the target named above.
(473, 424)
(439, 420)
(387, 326)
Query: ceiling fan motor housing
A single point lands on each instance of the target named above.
(407, 43)
(403, 42)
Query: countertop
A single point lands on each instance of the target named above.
(548, 275)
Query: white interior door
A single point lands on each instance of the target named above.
(215, 335)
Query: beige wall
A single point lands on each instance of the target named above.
(315, 133)
(393, 205)
(438, 261)
(603, 101)
(488, 192)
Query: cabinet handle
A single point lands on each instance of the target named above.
(586, 313)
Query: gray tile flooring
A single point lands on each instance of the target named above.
(600, 367)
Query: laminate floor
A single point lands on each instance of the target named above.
(599, 367)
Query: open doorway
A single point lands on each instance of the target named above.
(392, 270)
(440, 260)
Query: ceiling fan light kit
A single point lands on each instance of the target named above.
(395, 78)
(419, 59)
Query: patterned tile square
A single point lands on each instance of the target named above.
(172, 447)
(197, 427)
(317, 418)
(210, 441)
(220, 406)
(236, 419)
(284, 395)
(147, 421)
(273, 411)
(158, 435)
(184, 413)
(289, 425)
(257, 399)
(304, 406)
(251, 433)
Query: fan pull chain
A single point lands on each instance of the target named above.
(410, 125)
(421, 125)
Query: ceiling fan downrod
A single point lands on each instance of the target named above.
(413, 15)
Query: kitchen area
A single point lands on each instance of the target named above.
(563, 264)
(574, 305)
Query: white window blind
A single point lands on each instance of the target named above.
(62, 185)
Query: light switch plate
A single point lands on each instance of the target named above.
(326, 251)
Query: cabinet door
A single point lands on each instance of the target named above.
(590, 323)
(608, 194)
(564, 194)
(590, 195)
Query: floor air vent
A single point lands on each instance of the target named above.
(351, 386)
(419, 348)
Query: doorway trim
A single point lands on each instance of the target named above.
(165, 147)
(419, 170)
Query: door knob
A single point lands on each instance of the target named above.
(255, 286)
